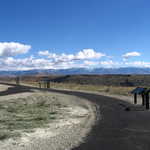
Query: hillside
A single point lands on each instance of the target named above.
(108, 80)
(72, 71)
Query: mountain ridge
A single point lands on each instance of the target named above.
(127, 70)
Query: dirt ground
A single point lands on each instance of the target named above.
(73, 120)
(91, 121)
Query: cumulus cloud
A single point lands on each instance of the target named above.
(8, 49)
(44, 53)
(90, 63)
(85, 54)
(138, 64)
(87, 58)
(30, 63)
(89, 54)
(11, 63)
(109, 64)
(116, 64)
(131, 54)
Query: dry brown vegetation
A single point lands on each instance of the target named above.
(113, 84)
(97, 88)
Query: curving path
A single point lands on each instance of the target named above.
(116, 129)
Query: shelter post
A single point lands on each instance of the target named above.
(135, 98)
(143, 99)
(17, 80)
(48, 84)
(147, 100)
(39, 85)
(44, 85)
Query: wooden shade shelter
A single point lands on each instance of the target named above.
(17, 80)
(144, 92)
(45, 82)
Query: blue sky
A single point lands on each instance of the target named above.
(36, 34)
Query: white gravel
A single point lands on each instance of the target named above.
(69, 130)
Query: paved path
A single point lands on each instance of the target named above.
(117, 129)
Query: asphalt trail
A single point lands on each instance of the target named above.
(116, 128)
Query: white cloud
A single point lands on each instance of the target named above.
(131, 54)
(52, 60)
(85, 54)
(11, 63)
(44, 53)
(110, 64)
(90, 63)
(87, 58)
(116, 64)
(8, 49)
(88, 54)
(137, 64)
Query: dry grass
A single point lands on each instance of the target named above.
(88, 87)
(97, 88)
(26, 114)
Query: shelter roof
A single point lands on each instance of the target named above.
(138, 90)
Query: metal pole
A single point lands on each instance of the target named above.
(135, 98)
(143, 99)
(147, 100)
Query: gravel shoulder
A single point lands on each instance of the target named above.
(69, 129)
(126, 98)
(113, 128)
(117, 129)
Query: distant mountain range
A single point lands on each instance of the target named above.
(129, 70)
